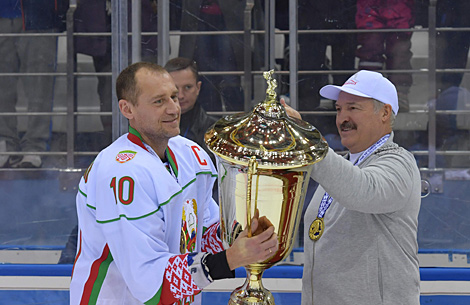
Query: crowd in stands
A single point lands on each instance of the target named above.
(219, 92)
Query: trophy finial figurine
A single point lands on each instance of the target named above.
(272, 85)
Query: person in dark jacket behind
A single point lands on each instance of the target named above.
(28, 54)
(194, 119)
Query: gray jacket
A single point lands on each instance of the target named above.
(368, 253)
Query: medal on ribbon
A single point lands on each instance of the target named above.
(316, 229)
(318, 225)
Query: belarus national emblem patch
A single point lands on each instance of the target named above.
(125, 155)
(189, 226)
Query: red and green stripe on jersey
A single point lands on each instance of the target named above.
(95, 280)
(135, 137)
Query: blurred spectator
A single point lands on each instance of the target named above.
(27, 54)
(312, 55)
(219, 52)
(325, 15)
(194, 119)
(452, 53)
(452, 47)
(453, 130)
(391, 49)
(95, 16)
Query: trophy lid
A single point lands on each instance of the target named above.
(276, 140)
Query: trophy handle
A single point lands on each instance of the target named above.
(252, 168)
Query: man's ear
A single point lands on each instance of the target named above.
(387, 112)
(198, 86)
(126, 108)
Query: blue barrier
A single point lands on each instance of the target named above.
(57, 297)
(50, 297)
(427, 273)
(35, 270)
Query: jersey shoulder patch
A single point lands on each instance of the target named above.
(125, 155)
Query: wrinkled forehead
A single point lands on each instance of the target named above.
(160, 83)
(145, 72)
(345, 99)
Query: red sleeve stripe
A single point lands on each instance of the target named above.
(79, 251)
(99, 268)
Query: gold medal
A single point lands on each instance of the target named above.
(316, 229)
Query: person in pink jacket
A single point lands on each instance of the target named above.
(391, 49)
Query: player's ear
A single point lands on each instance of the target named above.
(126, 108)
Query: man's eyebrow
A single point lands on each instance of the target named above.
(157, 97)
(348, 103)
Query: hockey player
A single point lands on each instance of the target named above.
(147, 221)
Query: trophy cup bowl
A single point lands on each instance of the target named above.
(264, 160)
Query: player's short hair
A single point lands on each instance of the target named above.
(182, 63)
(126, 83)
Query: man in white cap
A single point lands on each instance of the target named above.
(361, 225)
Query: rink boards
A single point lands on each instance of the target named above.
(22, 284)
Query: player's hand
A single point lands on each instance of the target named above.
(290, 111)
(249, 250)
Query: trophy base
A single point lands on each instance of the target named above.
(245, 297)
(252, 291)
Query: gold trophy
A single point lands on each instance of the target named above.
(264, 161)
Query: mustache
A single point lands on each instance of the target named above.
(348, 125)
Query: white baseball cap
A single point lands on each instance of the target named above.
(366, 84)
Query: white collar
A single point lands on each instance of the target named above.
(354, 157)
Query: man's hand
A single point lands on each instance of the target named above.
(290, 111)
(263, 223)
(249, 250)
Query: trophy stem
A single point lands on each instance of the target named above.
(252, 291)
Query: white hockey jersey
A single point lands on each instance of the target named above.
(131, 212)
